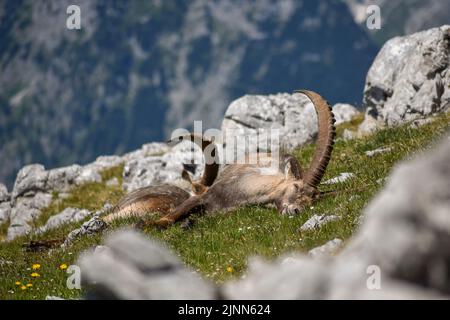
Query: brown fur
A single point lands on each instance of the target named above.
(153, 199)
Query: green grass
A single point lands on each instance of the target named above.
(228, 240)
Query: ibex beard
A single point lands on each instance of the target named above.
(290, 188)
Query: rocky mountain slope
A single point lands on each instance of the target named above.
(139, 69)
(390, 94)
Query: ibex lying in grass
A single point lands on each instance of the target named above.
(289, 189)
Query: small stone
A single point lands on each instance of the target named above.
(317, 221)
(344, 176)
(326, 250)
(377, 151)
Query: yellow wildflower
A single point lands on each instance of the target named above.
(35, 275)
(63, 266)
(29, 285)
(36, 266)
(18, 283)
(23, 287)
(229, 269)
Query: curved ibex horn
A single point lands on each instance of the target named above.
(325, 139)
(210, 155)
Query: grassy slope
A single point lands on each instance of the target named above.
(219, 242)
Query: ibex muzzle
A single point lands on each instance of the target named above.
(289, 189)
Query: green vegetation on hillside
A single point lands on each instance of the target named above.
(218, 246)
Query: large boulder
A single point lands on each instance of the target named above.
(292, 114)
(409, 79)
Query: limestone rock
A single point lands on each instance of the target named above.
(372, 153)
(93, 226)
(4, 195)
(342, 177)
(326, 250)
(410, 77)
(30, 179)
(68, 215)
(292, 114)
(166, 168)
(25, 210)
(317, 221)
(296, 278)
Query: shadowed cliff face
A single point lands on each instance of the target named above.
(137, 69)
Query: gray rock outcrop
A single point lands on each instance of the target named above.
(93, 226)
(165, 168)
(25, 211)
(68, 215)
(4, 195)
(409, 79)
(317, 221)
(34, 186)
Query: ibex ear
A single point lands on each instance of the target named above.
(185, 176)
(291, 167)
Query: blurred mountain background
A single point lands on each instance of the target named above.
(139, 69)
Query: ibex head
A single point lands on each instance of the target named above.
(299, 187)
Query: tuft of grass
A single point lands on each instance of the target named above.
(218, 246)
(4, 230)
(350, 125)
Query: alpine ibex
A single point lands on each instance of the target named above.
(289, 189)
